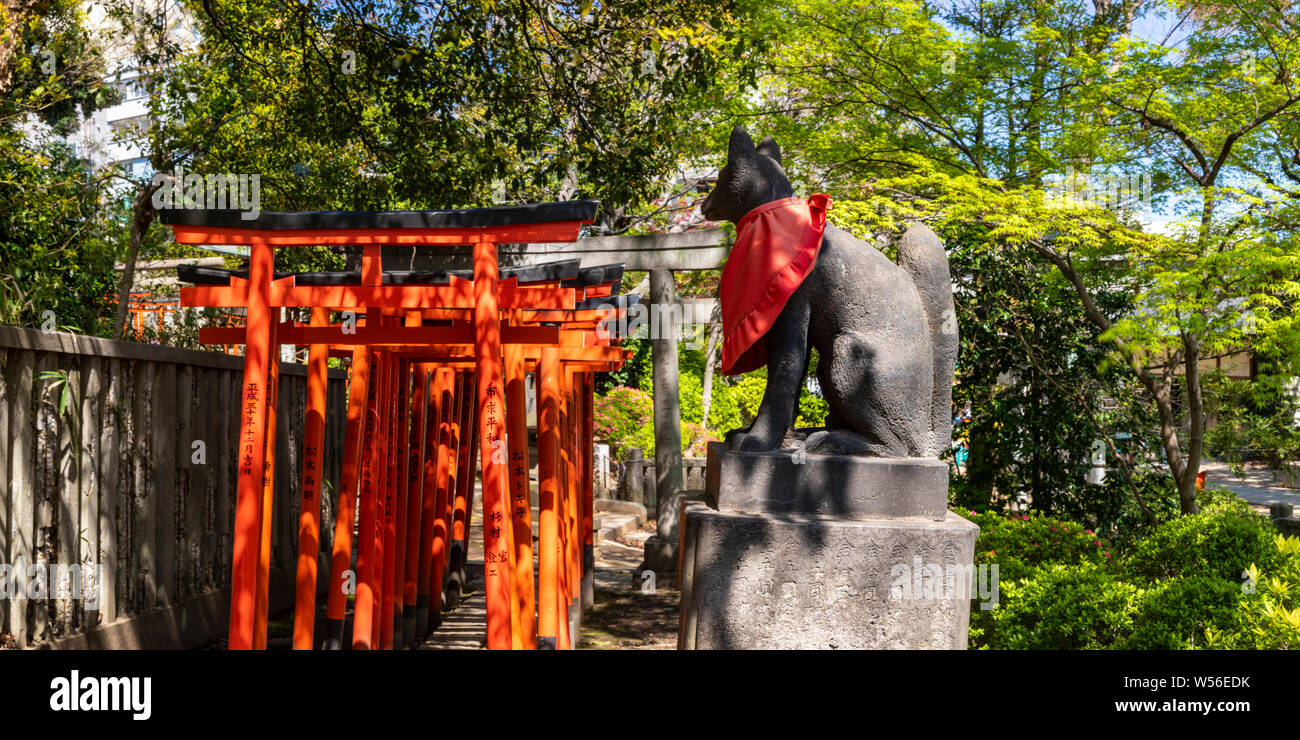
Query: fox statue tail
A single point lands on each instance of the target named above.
(921, 255)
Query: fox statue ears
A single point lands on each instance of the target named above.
(741, 145)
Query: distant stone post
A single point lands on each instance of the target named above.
(632, 475)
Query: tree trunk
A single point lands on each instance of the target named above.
(1195, 425)
(1183, 470)
(710, 357)
(142, 216)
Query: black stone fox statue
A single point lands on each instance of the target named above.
(885, 333)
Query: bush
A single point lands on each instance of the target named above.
(1175, 614)
(1180, 588)
(1021, 544)
(727, 408)
(624, 417)
(1018, 544)
(1213, 544)
(1268, 609)
(1217, 499)
(735, 400)
(1064, 607)
(696, 439)
(1128, 523)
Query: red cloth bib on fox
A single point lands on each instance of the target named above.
(776, 247)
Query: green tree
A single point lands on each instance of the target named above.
(436, 104)
(970, 116)
(428, 105)
(54, 235)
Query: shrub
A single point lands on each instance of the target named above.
(1127, 523)
(1064, 607)
(1175, 613)
(1214, 544)
(1020, 543)
(1268, 609)
(624, 417)
(726, 408)
(695, 439)
(1217, 499)
(1181, 588)
(735, 401)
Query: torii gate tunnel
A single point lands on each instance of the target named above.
(436, 376)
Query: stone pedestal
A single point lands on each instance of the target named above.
(660, 556)
(661, 552)
(661, 559)
(824, 552)
(845, 486)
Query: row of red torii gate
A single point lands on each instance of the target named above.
(436, 379)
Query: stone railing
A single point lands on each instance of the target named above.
(637, 480)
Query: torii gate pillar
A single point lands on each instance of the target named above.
(661, 549)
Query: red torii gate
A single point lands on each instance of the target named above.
(449, 346)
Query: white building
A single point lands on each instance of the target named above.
(107, 137)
